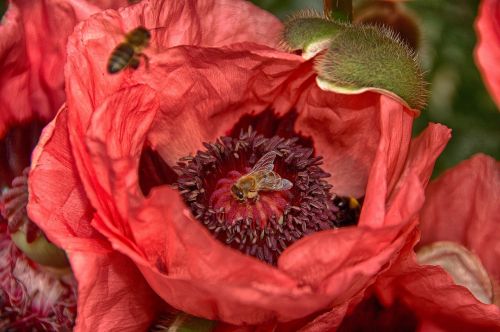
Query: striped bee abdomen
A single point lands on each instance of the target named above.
(120, 58)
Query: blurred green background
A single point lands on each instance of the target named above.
(3, 7)
(458, 96)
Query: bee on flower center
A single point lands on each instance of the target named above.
(260, 178)
(128, 53)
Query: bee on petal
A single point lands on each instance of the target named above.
(261, 178)
(128, 53)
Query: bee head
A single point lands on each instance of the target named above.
(237, 193)
(140, 36)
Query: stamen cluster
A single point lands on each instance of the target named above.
(264, 227)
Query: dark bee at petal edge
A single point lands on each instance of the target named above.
(120, 58)
(127, 53)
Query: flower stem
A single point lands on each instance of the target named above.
(3, 7)
(338, 9)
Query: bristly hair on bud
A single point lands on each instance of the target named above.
(308, 31)
(372, 58)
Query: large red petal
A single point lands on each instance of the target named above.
(114, 4)
(203, 23)
(47, 25)
(59, 206)
(205, 91)
(115, 140)
(487, 53)
(463, 206)
(112, 294)
(405, 202)
(424, 151)
(32, 55)
(222, 283)
(14, 69)
(349, 131)
(432, 294)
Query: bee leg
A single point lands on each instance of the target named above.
(353, 203)
(253, 195)
(146, 59)
(134, 63)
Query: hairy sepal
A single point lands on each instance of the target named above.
(371, 58)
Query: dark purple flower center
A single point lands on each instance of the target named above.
(268, 221)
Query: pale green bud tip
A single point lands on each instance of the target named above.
(309, 32)
(369, 58)
(41, 251)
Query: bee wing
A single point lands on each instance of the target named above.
(265, 163)
(272, 181)
(284, 185)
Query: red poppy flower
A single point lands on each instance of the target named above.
(149, 158)
(460, 227)
(487, 51)
(33, 37)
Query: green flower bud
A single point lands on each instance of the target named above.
(359, 58)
